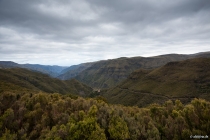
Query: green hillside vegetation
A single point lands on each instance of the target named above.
(54, 116)
(182, 80)
(109, 73)
(20, 80)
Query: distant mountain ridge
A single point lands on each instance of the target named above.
(53, 71)
(8, 64)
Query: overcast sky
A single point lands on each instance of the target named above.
(67, 32)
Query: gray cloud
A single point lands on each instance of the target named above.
(71, 32)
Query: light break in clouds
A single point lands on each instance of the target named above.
(67, 32)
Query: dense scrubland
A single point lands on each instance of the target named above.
(55, 116)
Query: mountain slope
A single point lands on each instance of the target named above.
(176, 80)
(108, 73)
(73, 71)
(18, 79)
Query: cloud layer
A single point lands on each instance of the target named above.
(71, 32)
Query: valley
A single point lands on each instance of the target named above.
(105, 73)
(138, 98)
(109, 73)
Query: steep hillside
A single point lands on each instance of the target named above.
(176, 80)
(18, 79)
(73, 71)
(108, 73)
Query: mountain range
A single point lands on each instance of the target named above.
(130, 81)
(109, 73)
(53, 71)
(106, 73)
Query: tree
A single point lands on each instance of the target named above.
(8, 136)
(118, 129)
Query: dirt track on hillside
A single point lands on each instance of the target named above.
(158, 95)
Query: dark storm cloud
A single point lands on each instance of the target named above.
(69, 32)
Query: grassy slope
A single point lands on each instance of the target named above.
(105, 74)
(18, 79)
(176, 80)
